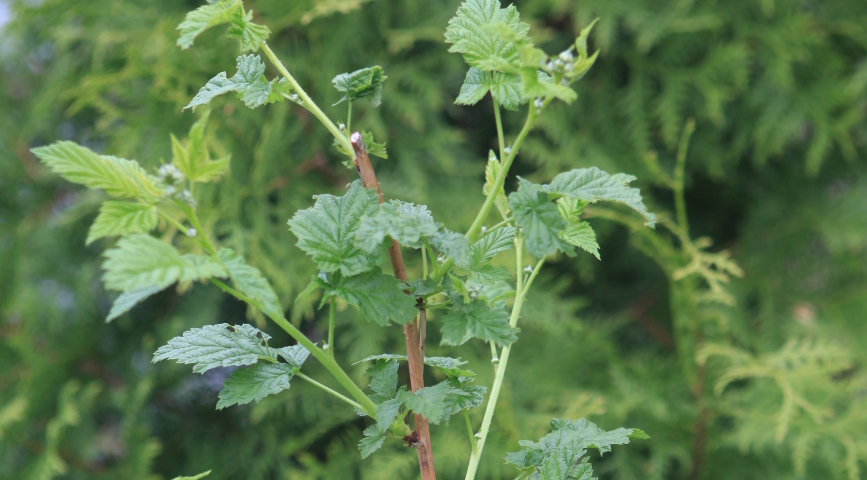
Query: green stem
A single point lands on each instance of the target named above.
(522, 290)
(309, 104)
(472, 233)
(679, 174)
(331, 328)
(367, 406)
(323, 387)
(470, 430)
(181, 228)
(501, 224)
(424, 263)
(200, 232)
(348, 118)
(500, 139)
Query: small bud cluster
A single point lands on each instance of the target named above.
(475, 291)
(173, 181)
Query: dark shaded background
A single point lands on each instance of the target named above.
(775, 174)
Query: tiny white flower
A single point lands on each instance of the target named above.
(566, 56)
(191, 232)
(528, 269)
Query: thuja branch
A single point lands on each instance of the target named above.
(412, 336)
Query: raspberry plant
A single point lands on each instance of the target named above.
(348, 237)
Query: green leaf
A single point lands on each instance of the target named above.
(193, 160)
(194, 477)
(327, 231)
(452, 244)
(371, 442)
(540, 222)
(447, 365)
(379, 297)
(487, 275)
(127, 300)
(386, 413)
(383, 379)
(364, 83)
(470, 34)
(294, 355)
(462, 396)
(487, 247)
(504, 87)
(581, 235)
(121, 219)
(248, 33)
(249, 281)
(205, 17)
(492, 169)
(249, 82)
(429, 402)
(119, 177)
(540, 85)
(141, 261)
(476, 319)
(593, 184)
(220, 345)
(406, 223)
(254, 383)
(559, 454)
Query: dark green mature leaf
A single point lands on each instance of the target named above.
(220, 345)
(364, 83)
(372, 441)
(383, 379)
(470, 34)
(406, 223)
(120, 178)
(249, 82)
(250, 282)
(127, 300)
(193, 160)
(558, 455)
(142, 261)
(387, 412)
(379, 297)
(205, 17)
(248, 33)
(327, 231)
(462, 396)
(254, 383)
(505, 88)
(540, 222)
(121, 219)
(429, 402)
(476, 319)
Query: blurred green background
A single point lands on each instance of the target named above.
(645, 338)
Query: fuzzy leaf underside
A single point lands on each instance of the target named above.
(326, 231)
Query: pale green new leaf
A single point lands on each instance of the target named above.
(476, 319)
(581, 235)
(255, 383)
(193, 160)
(220, 345)
(294, 355)
(492, 170)
(470, 34)
(593, 184)
(452, 244)
(379, 297)
(250, 282)
(404, 222)
(386, 412)
(119, 177)
(248, 33)
(140, 261)
(194, 477)
(540, 222)
(429, 402)
(205, 17)
(383, 380)
(504, 87)
(127, 300)
(371, 442)
(487, 247)
(327, 231)
(364, 83)
(249, 82)
(121, 219)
